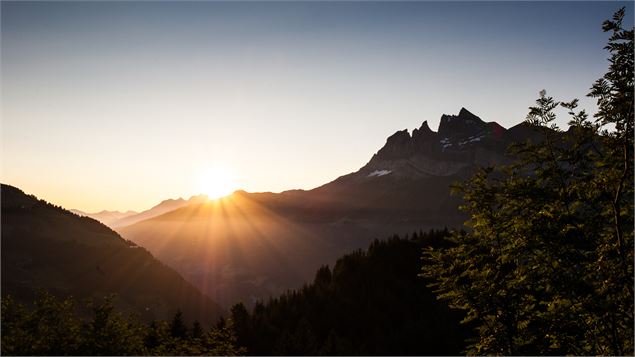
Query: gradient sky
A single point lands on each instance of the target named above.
(121, 105)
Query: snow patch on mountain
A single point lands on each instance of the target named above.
(472, 139)
(379, 173)
(445, 142)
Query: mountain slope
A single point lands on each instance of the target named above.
(45, 246)
(159, 209)
(252, 245)
(105, 217)
(231, 248)
(372, 302)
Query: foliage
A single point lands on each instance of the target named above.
(55, 327)
(370, 303)
(547, 267)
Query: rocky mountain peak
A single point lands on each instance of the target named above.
(424, 130)
(462, 128)
(465, 124)
(461, 140)
(397, 145)
(398, 137)
(467, 115)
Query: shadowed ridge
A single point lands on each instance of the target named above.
(397, 145)
(45, 246)
(423, 130)
(462, 125)
(467, 115)
(161, 208)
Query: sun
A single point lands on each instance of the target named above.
(217, 182)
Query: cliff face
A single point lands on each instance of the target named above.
(461, 141)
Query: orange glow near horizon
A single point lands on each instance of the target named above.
(217, 182)
(230, 238)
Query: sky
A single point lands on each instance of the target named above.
(119, 105)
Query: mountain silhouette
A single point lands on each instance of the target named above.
(105, 217)
(161, 208)
(47, 247)
(248, 246)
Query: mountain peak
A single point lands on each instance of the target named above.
(454, 140)
(399, 136)
(198, 198)
(466, 114)
(423, 130)
(396, 145)
(463, 124)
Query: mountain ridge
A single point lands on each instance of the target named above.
(106, 217)
(162, 207)
(249, 246)
(47, 247)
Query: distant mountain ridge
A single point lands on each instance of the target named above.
(105, 217)
(45, 246)
(157, 210)
(252, 245)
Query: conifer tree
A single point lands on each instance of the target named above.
(177, 326)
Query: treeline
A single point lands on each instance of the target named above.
(371, 303)
(58, 327)
(56, 250)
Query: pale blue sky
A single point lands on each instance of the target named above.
(120, 105)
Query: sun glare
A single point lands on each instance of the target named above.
(217, 183)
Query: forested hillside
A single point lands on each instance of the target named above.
(51, 326)
(547, 265)
(47, 247)
(370, 303)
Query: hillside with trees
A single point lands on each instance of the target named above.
(546, 267)
(370, 302)
(47, 247)
(51, 326)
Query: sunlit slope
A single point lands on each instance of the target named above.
(105, 217)
(159, 209)
(253, 245)
(249, 246)
(237, 248)
(45, 246)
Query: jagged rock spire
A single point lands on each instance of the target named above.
(456, 132)
(464, 124)
(423, 130)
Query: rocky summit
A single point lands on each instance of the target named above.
(461, 141)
